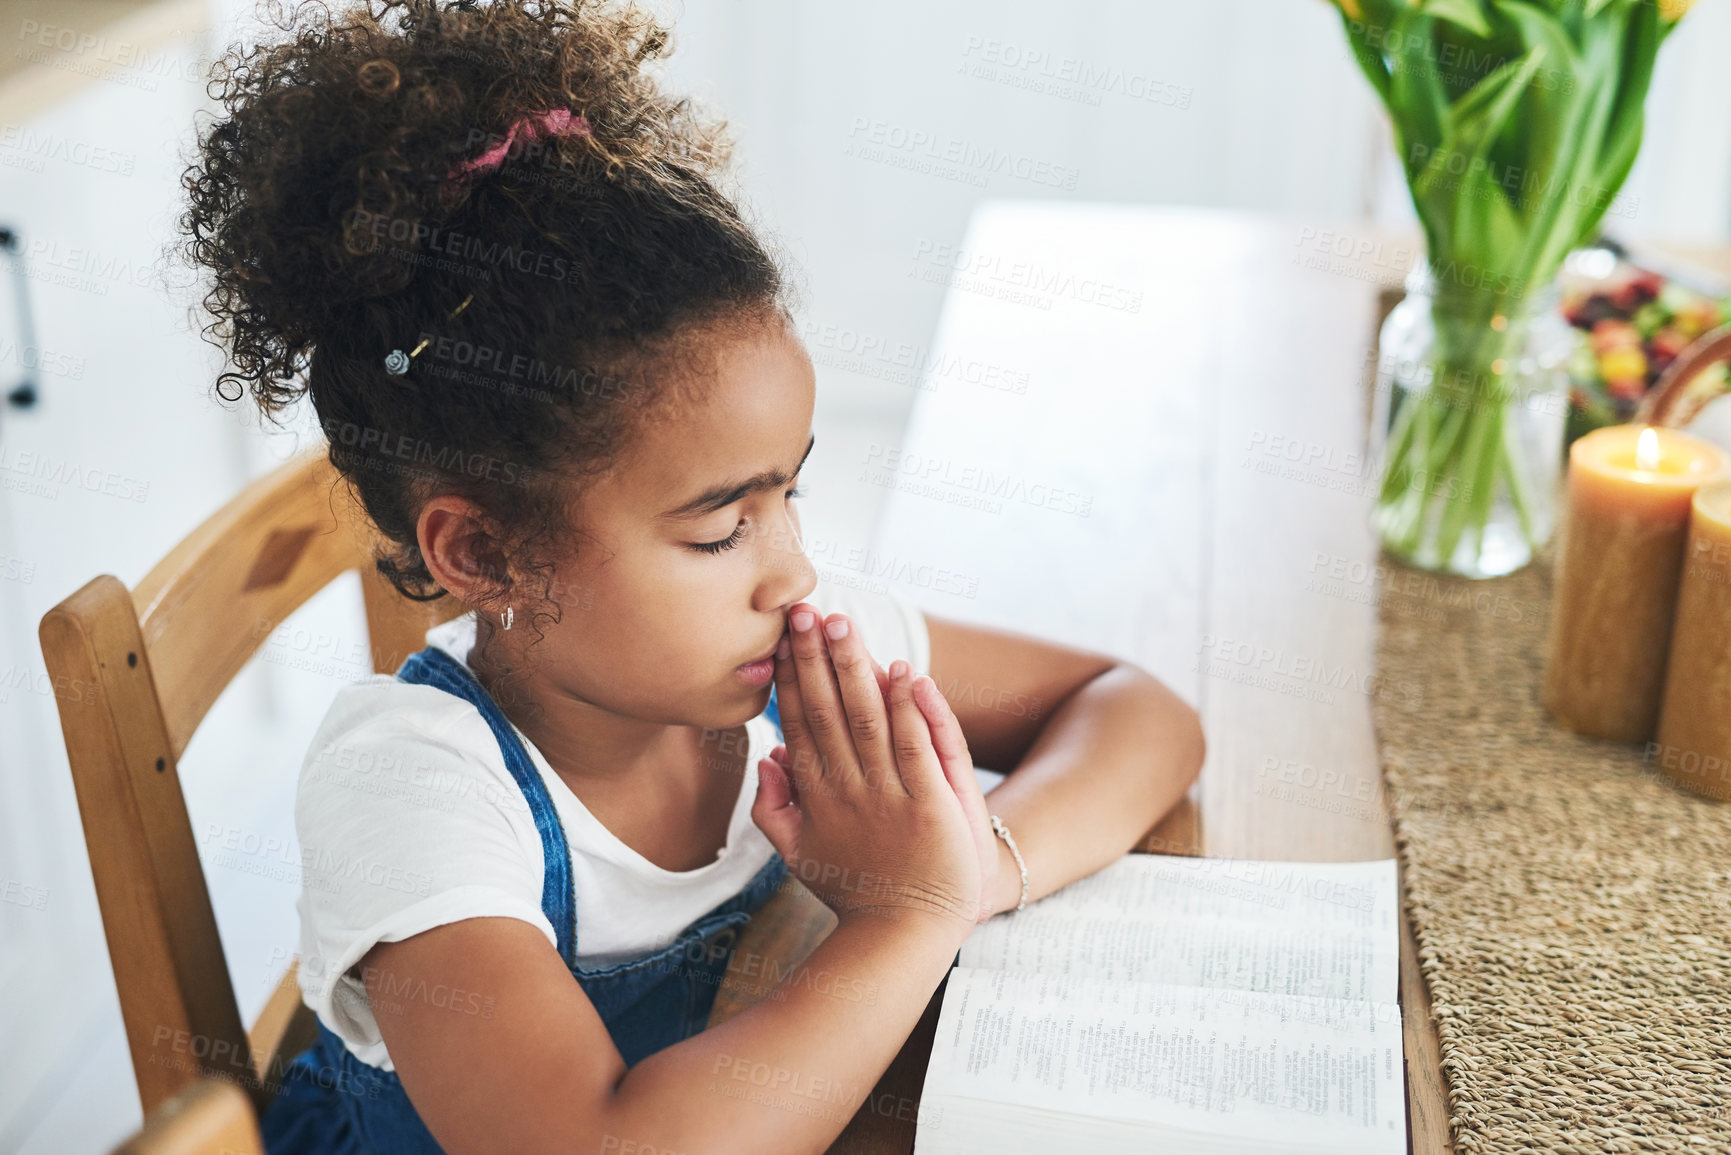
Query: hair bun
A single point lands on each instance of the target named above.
(362, 115)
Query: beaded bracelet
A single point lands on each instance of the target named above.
(1003, 832)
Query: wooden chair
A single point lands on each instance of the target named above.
(209, 1117)
(136, 672)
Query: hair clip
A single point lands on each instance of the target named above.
(397, 361)
(535, 125)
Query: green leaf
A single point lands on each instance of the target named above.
(1576, 161)
(1416, 92)
(1467, 13)
(1570, 16)
(1380, 13)
(1623, 134)
(1367, 56)
(1556, 134)
(1482, 220)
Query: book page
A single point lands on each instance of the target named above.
(1319, 930)
(1257, 1071)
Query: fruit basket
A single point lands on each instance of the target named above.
(1634, 325)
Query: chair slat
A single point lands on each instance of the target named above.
(285, 1028)
(175, 995)
(396, 626)
(205, 609)
(209, 1117)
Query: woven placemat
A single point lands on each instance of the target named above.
(1572, 908)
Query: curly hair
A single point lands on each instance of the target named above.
(540, 297)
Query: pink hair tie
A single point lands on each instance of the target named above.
(553, 122)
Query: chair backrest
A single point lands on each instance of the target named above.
(136, 673)
(209, 1117)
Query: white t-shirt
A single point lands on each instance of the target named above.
(408, 819)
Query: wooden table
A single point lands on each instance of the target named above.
(1199, 379)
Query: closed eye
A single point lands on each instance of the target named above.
(738, 534)
(728, 542)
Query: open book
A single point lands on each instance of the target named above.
(1178, 1005)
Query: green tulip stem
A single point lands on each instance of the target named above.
(1510, 458)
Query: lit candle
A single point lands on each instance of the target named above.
(1616, 582)
(1694, 741)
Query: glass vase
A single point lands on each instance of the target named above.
(1471, 402)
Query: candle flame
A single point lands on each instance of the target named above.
(1647, 450)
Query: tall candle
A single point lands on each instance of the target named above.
(1694, 741)
(1616, 581)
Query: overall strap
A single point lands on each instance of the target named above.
(433, 667)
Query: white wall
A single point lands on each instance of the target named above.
(1257, 106)
(124, 455)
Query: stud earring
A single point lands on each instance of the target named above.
(509, 616)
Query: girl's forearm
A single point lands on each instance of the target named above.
(1112, 759)
(787, 1074)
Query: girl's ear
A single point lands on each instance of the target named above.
(460, 553)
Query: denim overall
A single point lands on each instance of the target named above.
(332, 1103)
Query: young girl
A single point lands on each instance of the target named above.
(558, 370)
